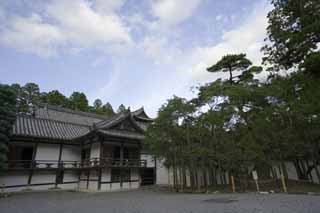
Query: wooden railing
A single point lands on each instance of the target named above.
(87, 163)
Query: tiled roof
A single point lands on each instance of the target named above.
(122, 134)
(51, 122)
(43, 128)
(141, 115)
(67, 115)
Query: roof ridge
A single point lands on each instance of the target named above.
(51, 120)
(78, 112)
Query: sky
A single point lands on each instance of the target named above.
(131, 52)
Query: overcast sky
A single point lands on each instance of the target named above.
(135, 52)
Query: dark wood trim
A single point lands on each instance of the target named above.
(58, 171)
(38, 184)
(109, 182)
(60, 152)
(43, 140)
(25, 185)
(88, 172)
(80, 172)
(100, 169)
(155, 169)
(121, 163)
(35, 147)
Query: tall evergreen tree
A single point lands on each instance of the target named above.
(97, 104)
(231, 63)
(121, 109)
(54, 97)
(79, 101)
(293, 32)
(7, 117)
(107, 109)
(28, 97)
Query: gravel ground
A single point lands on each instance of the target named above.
(146, 201)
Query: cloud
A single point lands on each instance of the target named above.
(160, 50)
(246, 38)
(107, 6)
(32, 35)
(172, 12)
(218, 17)
(66, 25)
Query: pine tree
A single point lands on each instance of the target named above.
(7, 117)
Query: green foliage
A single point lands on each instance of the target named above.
(99, 108)
(293, 32)
(122, 108)
(97, 104)
(312, 64)
(7, 117)
(28, 97)
(54, 97)
(107, 109)
(231, 63)
(79, 101)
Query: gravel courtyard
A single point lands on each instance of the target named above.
(155, 202)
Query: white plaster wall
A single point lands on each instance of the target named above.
(292, 173)
(71, 153)
(115, 186)
(95, 150)
(162, 173)
(83, 185)
(125, 185)
(135, 185)
(70, 186)
(314, 175)
(70, 176)
(48, 152)
(43, 187)
(43, 177)
(105, 187)
(93, 185)
(106, 175)
(135, 174)
(11, 179)
(149, 159)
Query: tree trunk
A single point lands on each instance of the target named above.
(230, 73)
(317, 170)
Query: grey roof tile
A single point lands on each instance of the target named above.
(43, 128)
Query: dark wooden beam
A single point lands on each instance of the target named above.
(100, 166)
(155, 170)
(58, 171)
(121, 164)
(88, 174)
(35, 148)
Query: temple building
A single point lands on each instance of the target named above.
(68, 149)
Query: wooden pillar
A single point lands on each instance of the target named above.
(121, 164)
(88, 173)
(58, 171)
(155, 171)
(35, 147)
(80, 166)
(100, 164)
